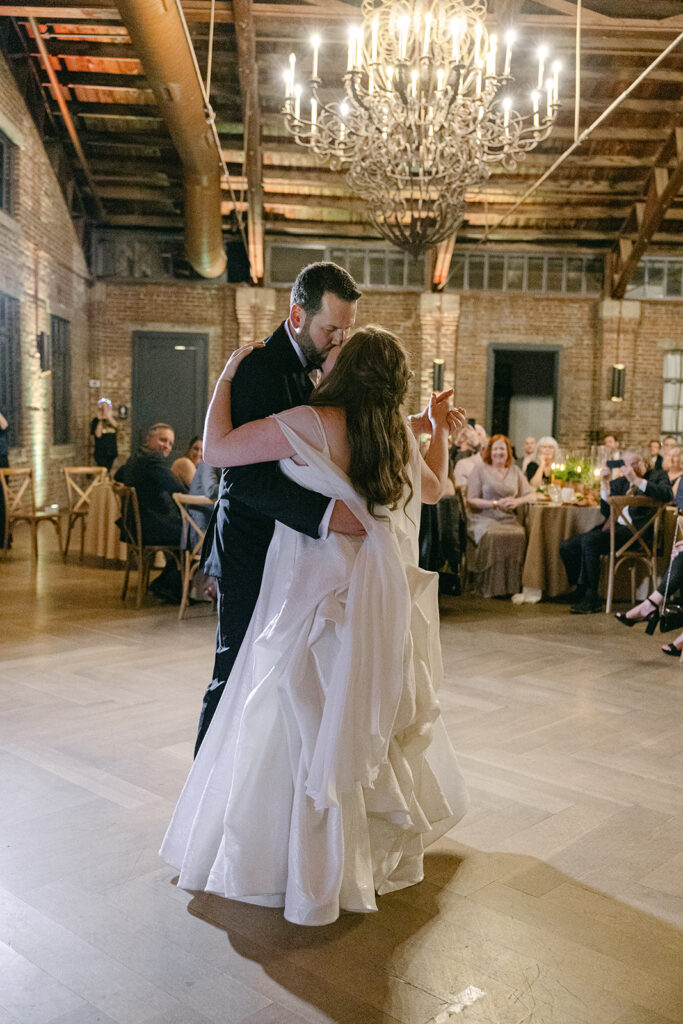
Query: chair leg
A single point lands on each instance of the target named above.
(141, 580)
(34, 540)
(185, 570)
(126, 576)
(68, 538)
(82, 537)
(58, 527)
(610, 584)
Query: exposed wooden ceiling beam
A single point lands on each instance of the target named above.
(248, 73)
(663, 188)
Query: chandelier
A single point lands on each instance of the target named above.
(427, 111)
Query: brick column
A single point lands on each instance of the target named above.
(439, 314)
(620, 324)
(255, 311)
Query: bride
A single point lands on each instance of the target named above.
(327, 770)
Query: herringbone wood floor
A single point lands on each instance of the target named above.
(555, 901)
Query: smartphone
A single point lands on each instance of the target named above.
(615, 463)
(471, 420)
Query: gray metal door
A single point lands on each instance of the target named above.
(170, 375)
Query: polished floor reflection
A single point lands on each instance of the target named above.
(555, 901)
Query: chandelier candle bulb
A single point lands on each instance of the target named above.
(535, 97)
(509, 40)
(375, 37)
(403, 25)
(542, 54)
(556, 81)
(549, 91)
(297, 101)
(455, 29)
(359, 48)
(314, 114)
(413, 78)
(292, 67)
(439, 80)
(477, 45)
(428, 29)
(315, 43)
(491, 56)
(352, 50)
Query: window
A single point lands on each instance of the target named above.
(61, 380)
(656, 278)
(519, 272)
(375, 268)
(10, 366)
(672, 395)
(7, 161)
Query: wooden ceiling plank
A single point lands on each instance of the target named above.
(245, 35)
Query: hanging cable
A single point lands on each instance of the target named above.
(209, 60)
(577, 72)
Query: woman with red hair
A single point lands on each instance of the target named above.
(495, 489)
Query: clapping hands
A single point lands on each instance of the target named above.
(438, 414)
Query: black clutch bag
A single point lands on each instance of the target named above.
(671, 617)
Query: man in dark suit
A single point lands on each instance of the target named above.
(581, 553)
(273, 378)
(147, 471)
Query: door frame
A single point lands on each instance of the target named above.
(514, 346)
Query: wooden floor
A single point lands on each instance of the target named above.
(555, 901)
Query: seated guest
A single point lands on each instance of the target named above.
(649, 609)
(528, 454)
(581, 553)
(155, 486)
(472, 442)
(674, 471)
(668, 443)
(655, 448)
(185, 466)
(495, 489)
(538, 469)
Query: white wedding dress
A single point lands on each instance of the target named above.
(326, 770)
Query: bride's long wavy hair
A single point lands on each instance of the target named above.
(369, 381)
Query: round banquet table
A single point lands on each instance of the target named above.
(547, 525)
(102, 538)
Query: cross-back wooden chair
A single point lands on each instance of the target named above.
(139, 556)
(20, 507)
(641, 546)
(193, 539)
(80, 481)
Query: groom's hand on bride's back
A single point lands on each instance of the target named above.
(343, 520)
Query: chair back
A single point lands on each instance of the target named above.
(192, 533)
(642, 543)
(17, 490)
(80, 481)
(130, 523)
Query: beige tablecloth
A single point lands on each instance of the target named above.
(102, 540)
(546, 526)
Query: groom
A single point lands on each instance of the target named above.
(323, 307)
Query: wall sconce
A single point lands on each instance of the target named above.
(438, 368)
(618, 381)
(44, 351)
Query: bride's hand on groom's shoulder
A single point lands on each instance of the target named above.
(230, 368)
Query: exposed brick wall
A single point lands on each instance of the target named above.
(42, 265)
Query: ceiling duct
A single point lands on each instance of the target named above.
(158, 35)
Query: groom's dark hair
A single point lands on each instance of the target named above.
(316, 279)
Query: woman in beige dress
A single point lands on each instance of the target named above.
(496, 488)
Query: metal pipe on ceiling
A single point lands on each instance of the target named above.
(159, 39)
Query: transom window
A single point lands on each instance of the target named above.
(672, 395)
(369, 267)
(7, 167)
(656, 279)
(526, 272)
(10, 366)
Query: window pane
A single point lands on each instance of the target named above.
(475, 277)
(574, 281)
(10, 366)
(378, 266)
(339, 256)
(514, 273)
(61, 380)
(672, 393)
(594, 274)
(287, 260)
(496, 269)
(456, 277)
(534, 274)
(356, 267)
(672, 365)
(416, 271)
(395, 270)
(669, 425)
(554, 275)
(655, 280)
(636, 286)
(674, 279)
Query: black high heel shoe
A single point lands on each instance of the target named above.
(652, 618)
(671, 649)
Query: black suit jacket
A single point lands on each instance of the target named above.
(155, 486)
(658, 487)
(269, 380)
